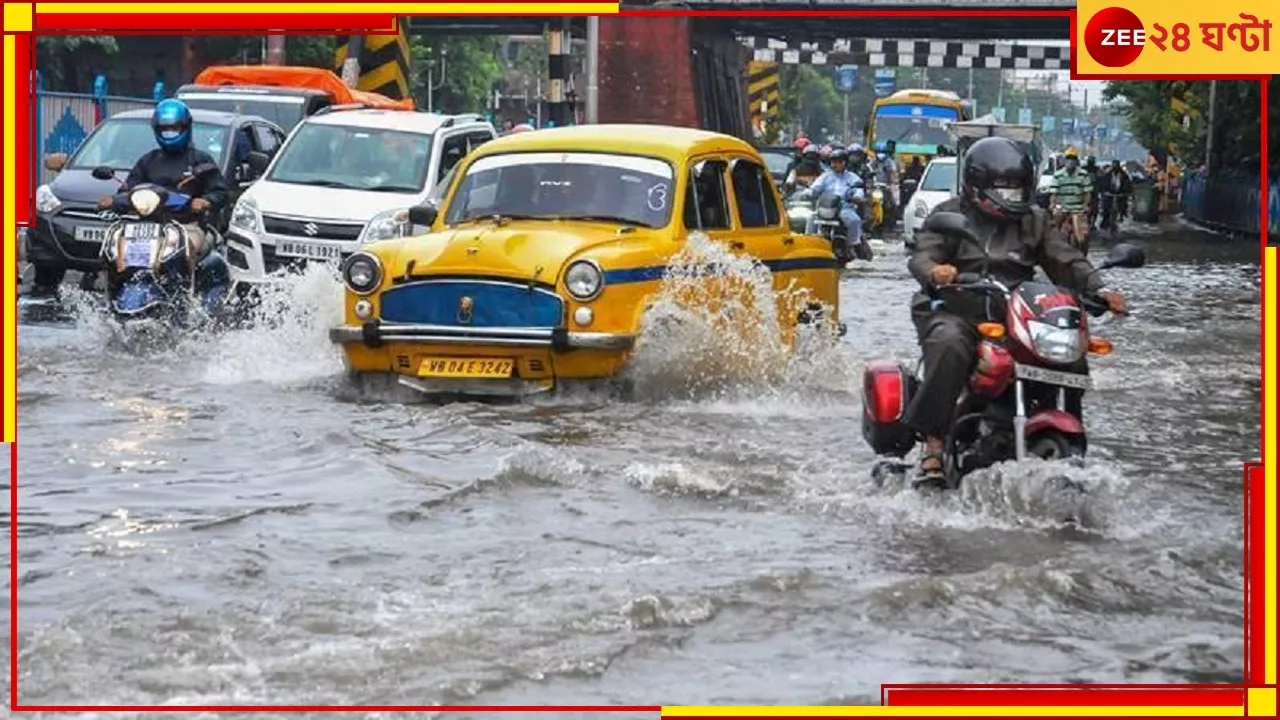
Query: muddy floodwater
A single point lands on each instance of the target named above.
(228, 521)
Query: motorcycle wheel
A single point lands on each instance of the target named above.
(1055, 446)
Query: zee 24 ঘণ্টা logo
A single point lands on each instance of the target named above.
(1115, 37)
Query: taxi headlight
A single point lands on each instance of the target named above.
(584, 280)
(362, 272)
(1058, 345)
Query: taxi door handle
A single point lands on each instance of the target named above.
(736, 245)
(788, 240)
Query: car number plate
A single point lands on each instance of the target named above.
(1054, 377)
(310, 251)
(447, 367)
(141, 231)
(137, 254)
(91, 234)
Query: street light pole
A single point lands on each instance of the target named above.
(593, 69)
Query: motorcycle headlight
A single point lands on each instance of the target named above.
(921, 210)
(877, 195)
(144, 201)
(584, 280)
(46, 201)
(245, 216)
(1055, 344)
(827, 213)
(387, 225)
(362, 272)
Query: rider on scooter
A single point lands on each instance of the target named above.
(997, 193)
(172, 166)
(839, 179)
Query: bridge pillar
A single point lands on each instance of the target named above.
(646, 71)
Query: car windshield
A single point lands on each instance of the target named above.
(777, 162)
(356, 158)
(939, 177)
(566, 185)
(283, 110)
(119, 142)
(915, 128)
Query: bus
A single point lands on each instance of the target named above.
(918, 121)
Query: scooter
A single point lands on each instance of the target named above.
(877, 208)
(829, 226)
(1023, 399)
(153, 270)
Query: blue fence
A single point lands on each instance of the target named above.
(1231, 201)
(64, 120)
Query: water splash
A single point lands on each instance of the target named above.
(714, 329)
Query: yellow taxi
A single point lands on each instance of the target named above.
(547, 247)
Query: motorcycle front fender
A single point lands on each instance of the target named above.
(138, 295)
(1058, 421)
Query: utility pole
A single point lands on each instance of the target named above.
(275, 50)
(1213, 126)
(593, 69)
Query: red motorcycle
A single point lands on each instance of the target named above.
(1024, 396)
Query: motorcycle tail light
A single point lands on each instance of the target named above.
(995, 331)
(1099, 346)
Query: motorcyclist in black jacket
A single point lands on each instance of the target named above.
(179, 166)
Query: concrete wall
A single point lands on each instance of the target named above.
(646, 72)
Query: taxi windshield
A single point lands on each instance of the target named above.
(566, 185)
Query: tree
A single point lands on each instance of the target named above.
(68, 63)
(1148, 106)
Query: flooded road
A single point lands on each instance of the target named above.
(228, 522)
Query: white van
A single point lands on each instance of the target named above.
(343, 178)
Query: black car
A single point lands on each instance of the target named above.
(68, 230)
(779, 161)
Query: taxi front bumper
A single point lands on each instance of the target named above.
(374, 334)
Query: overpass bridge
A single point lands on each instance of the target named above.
(682, 69)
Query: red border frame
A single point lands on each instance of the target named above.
(914, 695)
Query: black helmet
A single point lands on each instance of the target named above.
(838, 153)
(999, 178)
(809, 151)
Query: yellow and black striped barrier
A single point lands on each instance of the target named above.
(384, 61)
(763, 91)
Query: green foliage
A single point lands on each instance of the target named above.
(1148, 107)
(471, 71)
(61, 59)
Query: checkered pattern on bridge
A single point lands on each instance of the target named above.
(912, 53)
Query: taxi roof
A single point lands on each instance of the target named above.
(662, 141)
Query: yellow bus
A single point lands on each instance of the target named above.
(918, 121)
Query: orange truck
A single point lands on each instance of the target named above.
(283, 94)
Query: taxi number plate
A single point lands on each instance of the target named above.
(1075, 381)
(466, 368)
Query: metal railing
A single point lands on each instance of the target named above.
(1231, 201)
(64, 120)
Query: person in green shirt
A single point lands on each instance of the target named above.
(1070, 197)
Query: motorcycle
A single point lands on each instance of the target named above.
(151, 266)
(799, 210)
(1020, 398)
(879, 209)
(829, 226)
(907, 188)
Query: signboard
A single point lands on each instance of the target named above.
(1024, 116)
(998, 112)
(1047, 123)
(1068, 124)
(886, 82)
(846, 78)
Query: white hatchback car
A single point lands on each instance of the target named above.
(343, 178)
(936, 185)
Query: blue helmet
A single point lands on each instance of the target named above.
(171, 123)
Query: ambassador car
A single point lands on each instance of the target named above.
(547, 248)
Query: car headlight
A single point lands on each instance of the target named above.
(245, 216)
(1059, 345)
(921, 210)
(362, 272)
(46, 201)
(584, 280)
(387, 225)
